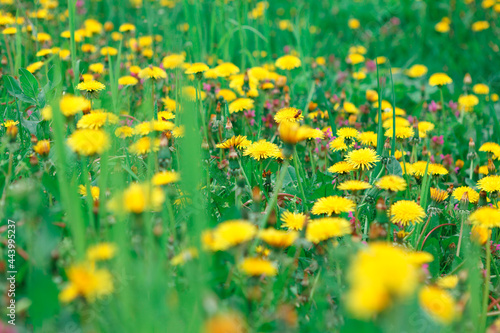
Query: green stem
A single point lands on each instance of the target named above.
(486, 290)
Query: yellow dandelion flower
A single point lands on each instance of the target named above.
(96, 119)
(262, 149)
(127, 81)
(144, 146)
(418, 168)
(288, 114)
(88, 142)
(459, 193)
(437, 169)
(491, 147)
(196, 68)
(438, 303)
(124, 132)
(152, 72)
(439, 79)
(71, 105)
(406, 212)
(333, 205)
(347, 133)
(91, 88)
(355, 58)
(231, 233)
(165, 177)
(480, 26)
(293, 221)
(341, 167)
(481, 89)
(241, 104)
(489, 183)
(35, 66)
(293, 133)
(467, 102)
(42, 147)
(278, 238)
(226, 94)
(486, 217)
(339, 144)
(173, 61)
(447, 282)
(368, 138)
(354, 185)
(101, 251)
(322, 229)
(438, 195)
(94, 191)
(288, 62)
(87, 281)
(402, 132)
(416, 71)
(391, 183)
(239, 142)
(258, 267)
(364, 158)
(226, 69)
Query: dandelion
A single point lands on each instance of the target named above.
(91, 88)
(322, 229)
(293, 221)
(226, 69)
(165, 177)
(459, 193)
(481, 89)
(402, 132)
(486, 217)
(364, 158)
(288, 62)
(439, 79)
(42, 147)
(241, 104)
(438, 303)
(406, 212)
(144, 145)
(152, 72)
(101, 251)
(489, 183)
(230, 233)
(347, 133)
(173, 61)
(96, 119)
(416, 71)
(227, 95)
(262, 149)
(376, 276)
(239, 142)
(480, 26)
(87, 281)
(32, 68)
(197, 68)
(258, 267)
(278, 238)
(341, 168)
(438, 195)
(127, 81)
(288, 115)
(94, 191)
(332, 205)
(467, 102)
(391, 183)
(368, 138)
(354, 185)
(88, 142)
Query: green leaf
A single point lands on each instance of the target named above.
(12, 86)
(394, 167)
(29, 84)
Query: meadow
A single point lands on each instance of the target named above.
(241, 166)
